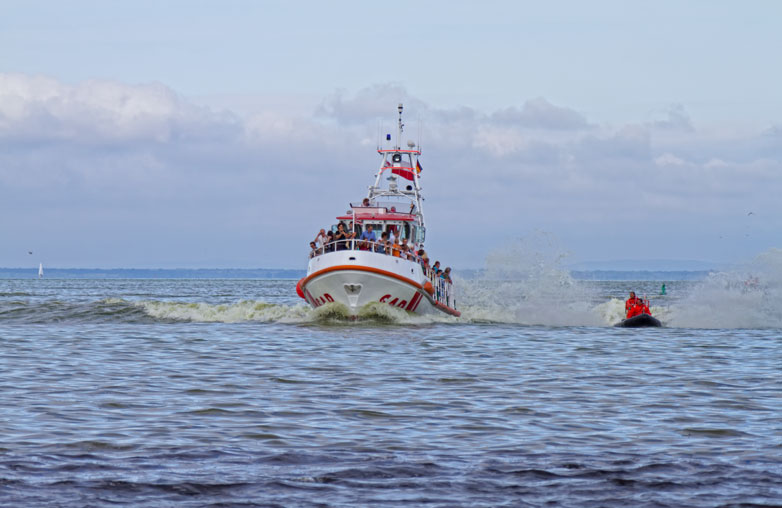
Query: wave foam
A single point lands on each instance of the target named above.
(245, 310)
(260, 311)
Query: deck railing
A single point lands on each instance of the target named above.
(443, 288)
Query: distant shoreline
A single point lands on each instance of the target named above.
(153, 273)
(294, 274)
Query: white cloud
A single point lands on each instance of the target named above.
(38, 107)
(715, 163)
(540, 114)
(675, 118)
(368, 104)
(669, 159)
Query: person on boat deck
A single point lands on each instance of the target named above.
(329, 245)
(314, 251)
(353, 230)
(424, 259)
(389, 247)
(447, 274)
(395, 248)
(365, 202)
(367, 236)
(380, 246)
(321, 239)
(341, 237)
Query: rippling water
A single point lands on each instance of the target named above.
(230, 392)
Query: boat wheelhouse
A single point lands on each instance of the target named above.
(376, 253)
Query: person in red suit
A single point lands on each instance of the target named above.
(630, 303)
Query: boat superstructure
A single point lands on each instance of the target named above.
(375, 253)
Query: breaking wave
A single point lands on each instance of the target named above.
(245, 310)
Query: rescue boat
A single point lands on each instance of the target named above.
(639, 321)
(639, 316)
(356, 272)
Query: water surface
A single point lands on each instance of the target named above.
(231, 392)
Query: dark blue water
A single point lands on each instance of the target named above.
(232, 393)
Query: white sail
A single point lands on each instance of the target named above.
(40, 270)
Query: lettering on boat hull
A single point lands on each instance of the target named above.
(409, 305)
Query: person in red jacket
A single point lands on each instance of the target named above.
(630, 303)
(640, 307)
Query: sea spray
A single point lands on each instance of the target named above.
(747, 296)
(525, 283)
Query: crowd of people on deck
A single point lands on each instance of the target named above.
(389, 243)
(635, 306)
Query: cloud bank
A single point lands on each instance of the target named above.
(102, 173)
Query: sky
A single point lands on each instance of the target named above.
(225, 134)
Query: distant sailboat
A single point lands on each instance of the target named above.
(40, 270)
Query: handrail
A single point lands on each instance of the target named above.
(443, 288)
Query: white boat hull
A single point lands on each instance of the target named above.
(356, 278)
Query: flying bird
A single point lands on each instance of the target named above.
(751, 213)
(29, 252)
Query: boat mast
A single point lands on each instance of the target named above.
(391, 158)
